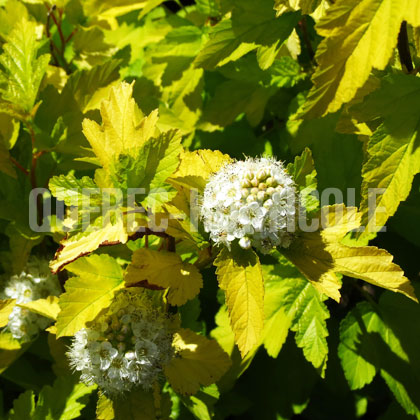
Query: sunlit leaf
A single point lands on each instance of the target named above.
(239, 275)
(166, 270)
(98, 278)
(200, 361)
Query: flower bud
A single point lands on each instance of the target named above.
(261, 195)
(245, 243)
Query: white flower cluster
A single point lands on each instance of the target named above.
(124, 348)
(35, 282)
(253, 201)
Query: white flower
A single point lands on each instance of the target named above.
(126, 347)
(35, 282)
(252, 201)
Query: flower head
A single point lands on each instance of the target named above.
(252, 201)
(35, 282)
(125, 347)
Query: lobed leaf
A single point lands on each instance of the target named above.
(252, 24)
(239, 275)
(166, 270)
(319, 255)
(6, 308)
(199, 361)
(354, 44)
(292, 302)
(393, 151)
(98, 278)
(22, 71)
(48, 307)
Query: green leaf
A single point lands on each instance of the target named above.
(62, 401)
(9, 131)
(22, 71)
(73, 191)
(291, 301)
(393, 152)
(98, 278)
(384, 338)
(88, 87)
(201, 405)
(355, 44)
(5, 162)
(23, 407)
(286, 72)
(252, 24)
(303, 172)
(235, 97)
(355, 344)
(140, 405)
(404, 220)
(209, 7)
(60, 115)
(239, 275)
(338, 157)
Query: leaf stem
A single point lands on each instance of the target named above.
(19, 166)
(57, 22)
(404, 49)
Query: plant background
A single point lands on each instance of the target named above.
(246, 106)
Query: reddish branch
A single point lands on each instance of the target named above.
(58, 23)
(19, 166)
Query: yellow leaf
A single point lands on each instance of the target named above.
(55, 76)
(111, 8)
(197, 166)
(184, 215)
(199, 361)
(104, 408)
(86, 242)
(355, 43)
(99, 277)
(224, 335)
(166, 270)
(122, 129)
(10, 350)
(46, 307)
(239, 275)
(320, 255)
(373, 265)
(6, 308)
(308, 253)
(337, 220)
